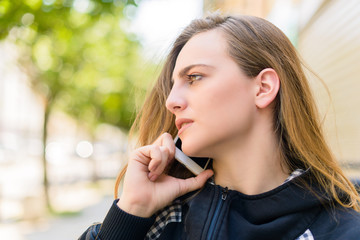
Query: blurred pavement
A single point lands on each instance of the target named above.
(72, 227)
(57, 227)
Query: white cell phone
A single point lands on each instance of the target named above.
(190, 164)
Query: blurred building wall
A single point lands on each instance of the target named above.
(329, 42)
(260, 8)
(21, 111)
(21, 118)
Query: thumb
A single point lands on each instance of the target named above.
(194, 183)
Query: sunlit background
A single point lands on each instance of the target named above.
(73, 73)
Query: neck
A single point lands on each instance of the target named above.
(252, 166)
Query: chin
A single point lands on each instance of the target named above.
(189, 149)
(194, 150)
(196, 144)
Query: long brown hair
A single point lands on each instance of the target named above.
(256, 44)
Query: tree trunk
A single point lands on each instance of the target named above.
(44, 160)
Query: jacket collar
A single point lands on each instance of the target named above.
(282, 213)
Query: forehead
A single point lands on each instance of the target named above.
(209, 48)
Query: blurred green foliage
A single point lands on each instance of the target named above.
(78, 54)
(79, 58)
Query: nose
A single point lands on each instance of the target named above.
(176, 102)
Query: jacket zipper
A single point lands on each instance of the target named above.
(217, 212)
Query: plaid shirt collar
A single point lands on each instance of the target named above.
(173, 213)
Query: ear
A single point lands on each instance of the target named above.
(268, 85)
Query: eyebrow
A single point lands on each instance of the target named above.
(184, 71)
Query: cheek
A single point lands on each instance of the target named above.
(230, 103)
(233, 114)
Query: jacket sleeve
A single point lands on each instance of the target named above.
(119, 225)
(91, 233)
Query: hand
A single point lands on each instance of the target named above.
(146, 188)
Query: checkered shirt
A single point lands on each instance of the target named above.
(307, 235)
(173, 213)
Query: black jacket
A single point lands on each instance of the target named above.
(286, 212)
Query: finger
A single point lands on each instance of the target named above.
(161, 165)
(155, 154)
(194, 183)
(159, 140)
(165, 139)
(158, 165)
(168, 142)
(149, 156)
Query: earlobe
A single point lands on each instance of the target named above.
(268, 85)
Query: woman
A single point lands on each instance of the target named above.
(234, 91)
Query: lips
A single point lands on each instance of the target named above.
(182, 124)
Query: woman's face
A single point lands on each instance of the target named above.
(212, 99)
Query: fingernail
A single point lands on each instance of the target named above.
(152, 176)
(153, 167)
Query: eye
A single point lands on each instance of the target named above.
(194, 77)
